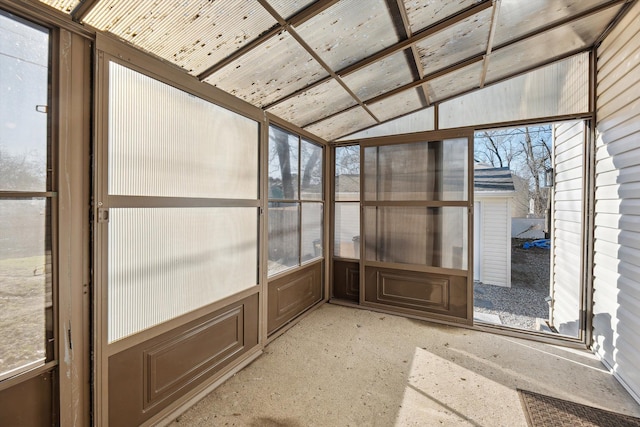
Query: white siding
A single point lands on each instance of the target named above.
(495, 244)
(617, 209)
(567, 263)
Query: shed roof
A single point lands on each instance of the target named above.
(487, 179)
(334, 67)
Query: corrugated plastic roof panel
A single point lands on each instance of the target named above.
(396, 105)
(276, 68)
(420, 121)
(423, 14)
(461, 41)
(65, 6)
(314, 104)
(455, 83)
(517, 18)
(549, 44)
(288, 8)
(349, 31)
(341, 124)
(192, 34)
(380, 77)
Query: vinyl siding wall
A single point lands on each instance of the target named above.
(569, 146)
(617, 208)
(495, 245)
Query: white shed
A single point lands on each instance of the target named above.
(493, 197)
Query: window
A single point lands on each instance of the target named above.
(295, 201)
(27, 198)
(347, 202)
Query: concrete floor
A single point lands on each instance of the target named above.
(347, 367)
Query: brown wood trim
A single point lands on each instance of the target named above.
(292, 294)
(148, 378)
(177, 202)
(427, 136)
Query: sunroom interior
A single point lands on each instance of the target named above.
(212, 171)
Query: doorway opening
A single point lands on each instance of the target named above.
(528, 227)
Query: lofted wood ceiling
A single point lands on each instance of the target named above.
(334, 67)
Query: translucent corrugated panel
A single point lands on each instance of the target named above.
(343, 123)
(401, 103)
(311, 169)
(284, 236)
(314, 104)
(192, 34)
(423, 14)
(311, 233)
(455, 83)
(380, 77)
(24, 78)
(164, 263)
(276, 68)
(461, 41)
(558, 89)
(65, 6)
(420, 121)
(349, 31)
(346, 243)
(559, 41)
(288, 8)
(165, 142)
(422, 171)
(517, 18)
(435, 237)
(25, 284)
(283, 165)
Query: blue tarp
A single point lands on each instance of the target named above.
(541, 243)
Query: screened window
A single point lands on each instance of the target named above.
(27, 198)
(296, 206)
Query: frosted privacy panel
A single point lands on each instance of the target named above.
(347, 180)
(314, 104)
(561, 88)
(435, 237)
(276, 68)
(284, 236)
(66, 6)
(24, 77)
(420, 121)
(166, 142)
(287, 8)
(311, 244)
(423, 171)
(310, 171)
(347, 230)
(455, 82)
(349, 31)
(283, 165)
(164, 263)
(192, 34)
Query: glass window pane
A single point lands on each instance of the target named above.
(311, 171)
(166, 142)
(424, 171)
(347, 173)
(312, 243)
(435, 237)
(347, 230)
(24, 70)
(25, 284)
(283, 165)
(284, 232)
(164, 263)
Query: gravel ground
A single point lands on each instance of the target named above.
(520, 305)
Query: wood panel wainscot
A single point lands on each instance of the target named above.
(346, 280)
(147, 377)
